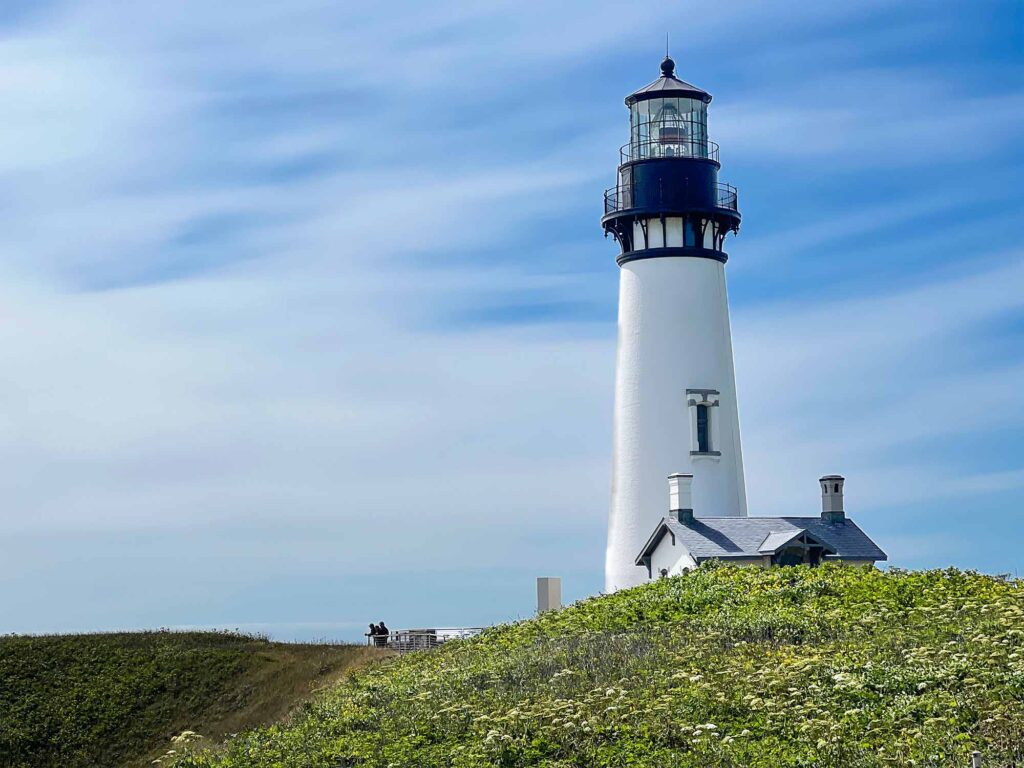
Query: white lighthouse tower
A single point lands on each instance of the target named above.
(675, 388)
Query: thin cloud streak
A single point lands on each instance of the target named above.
(259, 304)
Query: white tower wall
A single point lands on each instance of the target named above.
(674, 336)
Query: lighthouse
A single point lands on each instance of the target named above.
(675, 387)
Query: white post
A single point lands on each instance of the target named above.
(976, 760)
(549, 593)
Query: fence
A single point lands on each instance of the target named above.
(405, 640)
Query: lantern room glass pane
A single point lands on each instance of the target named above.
(668, 127)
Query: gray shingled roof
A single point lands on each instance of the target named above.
(725, 537)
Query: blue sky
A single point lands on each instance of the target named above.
(307, 319)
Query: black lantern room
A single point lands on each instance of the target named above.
(668, 200)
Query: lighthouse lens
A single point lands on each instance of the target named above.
(671, 130)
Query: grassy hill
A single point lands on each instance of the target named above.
(721, 667)
(112, 700)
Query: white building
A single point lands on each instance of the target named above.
(675, 389)
(682, 541)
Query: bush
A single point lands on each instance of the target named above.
(724, 666)
(104, 699)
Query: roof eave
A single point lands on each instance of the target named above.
(675, 88)
(633, 98)
(652, 541)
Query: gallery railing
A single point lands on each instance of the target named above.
(621, 198)
(668, 146)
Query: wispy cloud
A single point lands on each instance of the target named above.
(291, 289)
(873, 118)
(891, 386)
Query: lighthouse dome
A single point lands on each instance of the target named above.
(668, 85)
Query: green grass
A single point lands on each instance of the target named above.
(117, 699)
(836, 666)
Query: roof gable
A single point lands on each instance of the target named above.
(776, 540)
(653, 541)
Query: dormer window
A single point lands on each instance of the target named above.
(703, 404)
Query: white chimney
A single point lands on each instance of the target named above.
(832, 498)
(680, 497)
(549, 593)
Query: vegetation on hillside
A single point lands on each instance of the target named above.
(725, 666)
(117, 699)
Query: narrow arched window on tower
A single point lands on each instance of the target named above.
(703, 441)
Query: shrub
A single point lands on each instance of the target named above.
(724, 666)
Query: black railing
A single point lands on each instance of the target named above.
(621, 198)
(647, 149)
(617, 199)
(727, 196)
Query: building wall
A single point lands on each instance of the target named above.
(674, 335)
(674, 558)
